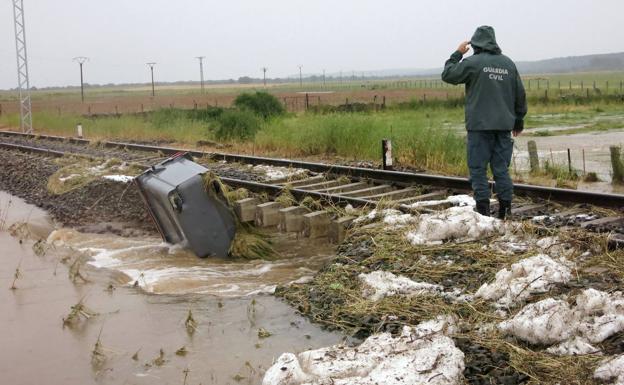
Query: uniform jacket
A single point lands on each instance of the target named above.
(495, 96)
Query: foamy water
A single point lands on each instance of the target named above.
(162, 268)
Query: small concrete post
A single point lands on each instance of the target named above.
(291, 219)
(267, 214)
(386, 154)
(245, 209)
(316, 224)
(338, 229)
(533, 157)
(79, 130)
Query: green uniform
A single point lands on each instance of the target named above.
(495, 105)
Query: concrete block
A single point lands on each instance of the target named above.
(291, 219)
(316, 224)
(245, 209)
(267, 214)
(338, 229)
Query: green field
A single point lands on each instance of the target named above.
(426, 134)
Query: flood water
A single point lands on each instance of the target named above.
(225, 298)
(555, 149)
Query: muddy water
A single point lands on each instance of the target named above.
(225, 349)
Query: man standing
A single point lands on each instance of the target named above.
(495, 107)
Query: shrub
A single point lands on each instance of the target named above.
(261, 103)
(237, 125)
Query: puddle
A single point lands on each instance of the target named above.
(225, 349)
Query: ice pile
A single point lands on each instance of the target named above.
(119, 178)
(391, 217)
(456, 223)
(611, 369)
(528, 276)
(455, 200)
(596, 316)
(420, 355)
(381, 284)
(272, 173)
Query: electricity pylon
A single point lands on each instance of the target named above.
(23, 84)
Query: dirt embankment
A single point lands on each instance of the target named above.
(101, 206)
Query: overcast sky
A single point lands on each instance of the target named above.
(238, 37)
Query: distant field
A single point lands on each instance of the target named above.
(122, 99)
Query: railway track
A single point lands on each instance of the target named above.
(550, 207)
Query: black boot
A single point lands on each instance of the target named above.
(483, 208)
(504, 209)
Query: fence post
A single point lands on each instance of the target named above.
(607, 88)
(620, 87)
(307, 101)
(533, 157)
(616, 163)
(529, 83)
(538, 83)
(570, 85)
(569, 162)
(582, 87)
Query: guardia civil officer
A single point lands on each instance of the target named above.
(495, 108)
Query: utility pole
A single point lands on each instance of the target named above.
(23, 84)
(201, 71)
(264, 70)
(300, 76)
(151, 66)
(81, 60)
(323, 77)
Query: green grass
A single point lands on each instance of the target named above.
(419, 137)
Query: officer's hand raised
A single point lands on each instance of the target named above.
(463, 47)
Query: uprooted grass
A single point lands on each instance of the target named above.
(248, 243)
(76, 172)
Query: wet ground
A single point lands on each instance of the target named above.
(224, 349)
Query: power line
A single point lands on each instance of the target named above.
(81, 60)
(151, 66)
(201, 71)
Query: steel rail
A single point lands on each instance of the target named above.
(236, 183)
(547, 193)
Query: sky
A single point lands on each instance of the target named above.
(239, 37)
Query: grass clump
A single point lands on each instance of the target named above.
(78, 311)
(237, 125)
(190, 323)
(261, 103)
